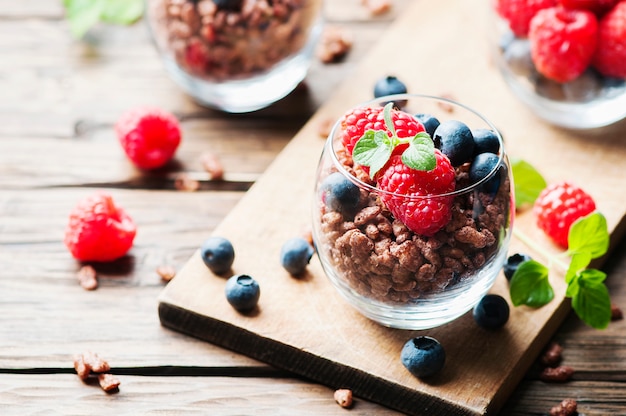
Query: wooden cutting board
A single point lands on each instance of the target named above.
(302, 325)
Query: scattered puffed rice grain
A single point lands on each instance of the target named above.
(87, 278)
(343, 397)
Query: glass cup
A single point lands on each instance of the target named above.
(396, 276)
(590, 100)
(236, 56)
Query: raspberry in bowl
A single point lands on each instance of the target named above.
(412, 227)
(565, 59)
(236, 55)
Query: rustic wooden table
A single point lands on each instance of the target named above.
(61, 98)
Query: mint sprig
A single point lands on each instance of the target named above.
(83, 14)
(588, 239)
(528, 182)
(375, 147)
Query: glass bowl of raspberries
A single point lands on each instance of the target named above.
(236, 55)
(413, 209)
(565, 59)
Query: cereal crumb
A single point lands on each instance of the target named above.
(167, 273)
(567, 407)
(343, 397)
(108, 382)
(88, 278)
(324, 127)
(552, 355)
(212, 165)
(377, 7)
(336, 42)
(559, 374)
(616, 313)
(184, 182)
(444, 106)
(89, 362)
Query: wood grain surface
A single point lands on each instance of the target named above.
(61, 98)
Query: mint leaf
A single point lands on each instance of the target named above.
(420, 154)
(373, 149)
(589, 234)
(578, 263)
(591, 300)
(387, 116)
(83, 14)
(123, 12)
(530, 285)
(528, 182)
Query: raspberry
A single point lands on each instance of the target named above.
(98, 230)
(518, 13)
(563, 42)
(356, 122)
(424, 216)
(610, 57)
(149, 136)
(558, 206)
(597, 7)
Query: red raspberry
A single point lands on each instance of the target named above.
(563, 42)
(149, 136)
(597, 7)
(558, 206)
(424, 216)
(98, 230)
(518, 13)
(356, 122)
(610, 57)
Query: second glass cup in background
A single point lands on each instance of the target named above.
(391, 273)
(238, 55)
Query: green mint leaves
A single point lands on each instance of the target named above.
(83, 14)
(588, 239)
(375, 148)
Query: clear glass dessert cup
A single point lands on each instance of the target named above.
(391, 274)
(236, 56)
(591, 100)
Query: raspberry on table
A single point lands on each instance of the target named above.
(518, 13)
(422, 214)
(356, 122)
(563, 42)
(558, 206)
(610, 56)
(99, 230)
(149, 136)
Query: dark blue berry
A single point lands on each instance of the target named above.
(483, 165)
(512, 263)
(295, 255)
(423, 356)
(390, 85)
(340, 194)
(242, 292)
(218, 254)
(485, 141)
(429, 122)
(455, 140)
(233, 5)
(491, 312)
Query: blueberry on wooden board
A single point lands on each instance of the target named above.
(423, 356)
(295, 255)
(512, 263)
(242, 292)
(390, 85)
(217, 254)
(491, 312)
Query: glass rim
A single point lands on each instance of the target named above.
(396, 97)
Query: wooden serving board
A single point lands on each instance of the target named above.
(304, 326)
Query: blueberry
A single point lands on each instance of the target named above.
(512, 263)
(233, 5)
(390, 85)
(218, 254)
(429, 121)
(423, 356)
(485, 140)
(481, 167)
(455, 140)
(295, 255)
(242, 292)
(491, 312)
(340, 194)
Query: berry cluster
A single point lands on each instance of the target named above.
(569, 36)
